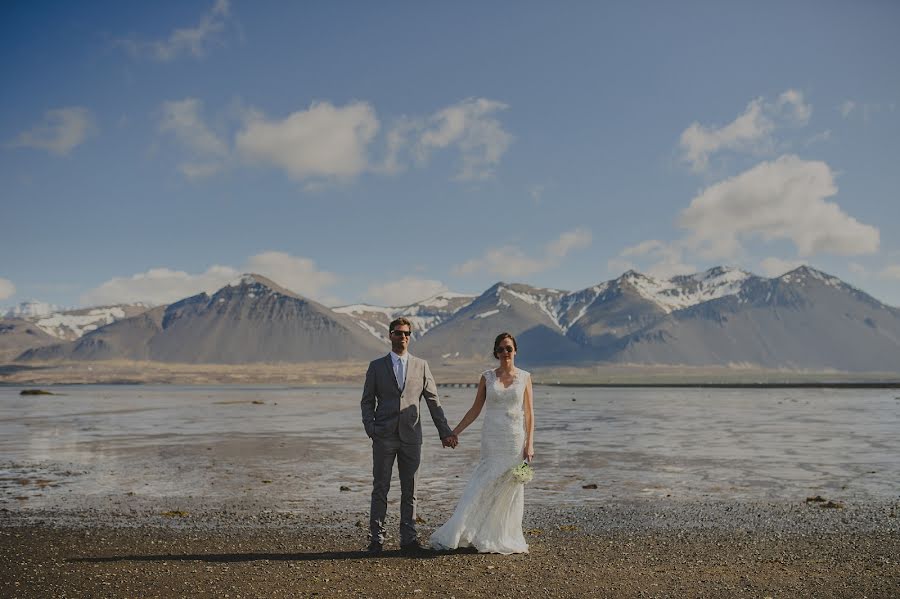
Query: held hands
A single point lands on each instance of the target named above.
(528, 453)
(450, 441)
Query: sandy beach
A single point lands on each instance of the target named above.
(644, 549)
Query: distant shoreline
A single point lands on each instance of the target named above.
(822, 385)
(447, 374)
(892, 385)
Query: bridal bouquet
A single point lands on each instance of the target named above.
(523, 473)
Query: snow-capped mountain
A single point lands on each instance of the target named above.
(685, 291)
(250, 320)
(513, 307)
(802, 319)
(627, 299)
(72, 324)
(424, 315)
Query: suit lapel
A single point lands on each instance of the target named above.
(389, 365)
(411, 370)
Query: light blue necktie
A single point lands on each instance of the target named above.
(400, 378)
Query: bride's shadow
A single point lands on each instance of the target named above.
(252, 557)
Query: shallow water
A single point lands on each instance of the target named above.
(295, 447)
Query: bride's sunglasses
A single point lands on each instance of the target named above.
(506, 348)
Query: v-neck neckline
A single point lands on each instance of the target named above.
(514, 377)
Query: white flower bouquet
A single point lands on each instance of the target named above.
(523, 473)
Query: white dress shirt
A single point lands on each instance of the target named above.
(400, 364)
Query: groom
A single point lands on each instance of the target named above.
(390, 403)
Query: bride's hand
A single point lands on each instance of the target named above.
(528, 453)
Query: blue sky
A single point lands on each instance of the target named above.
(382, 152)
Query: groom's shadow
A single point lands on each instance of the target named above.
(252, 557)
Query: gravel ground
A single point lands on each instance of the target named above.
(646, 548)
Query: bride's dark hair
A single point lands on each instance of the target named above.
(500, 338)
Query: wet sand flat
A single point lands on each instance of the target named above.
(212, 491)
(117, 446)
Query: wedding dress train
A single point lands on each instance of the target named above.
(489, 514)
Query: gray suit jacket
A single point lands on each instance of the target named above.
(387, 410)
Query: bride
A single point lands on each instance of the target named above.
(489, 514)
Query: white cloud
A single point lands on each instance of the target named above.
(775, 267)
(399, 138)
(60, 132)
(193, 41)
(164, 285)
(820, 137)
(511, 262)
(750, 128)
(616, 266)
(783, 199)
(799, 110)
(891, 272)
(576, 239)
(858, 269)
(659, 259)
(471, 127)
(847, 107)
(300, 275)
(404, 291)
(158, 286)
(507, 262)
(7, 289)
(323, 141)
(865, 110)
(326, 142)
(184, 120)
(200, 170)
(649, 246)
(752, 131)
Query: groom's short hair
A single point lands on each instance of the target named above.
(399, 322)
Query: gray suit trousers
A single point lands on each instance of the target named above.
(385, 449)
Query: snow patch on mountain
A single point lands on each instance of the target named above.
(61, 323)
(356, 309)
(798, 275)
(546, 300)
(685, 291)
(442, 300)
(583, 298)
(369, 328)
(424, 315)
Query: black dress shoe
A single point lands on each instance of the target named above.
(413, 548)
(375, 548)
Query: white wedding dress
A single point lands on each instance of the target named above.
(489, 514)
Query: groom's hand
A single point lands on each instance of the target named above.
(450, 441)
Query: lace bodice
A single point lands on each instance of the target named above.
(508, 400)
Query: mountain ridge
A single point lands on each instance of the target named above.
(802, 319)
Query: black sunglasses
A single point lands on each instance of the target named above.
(506, 348)
(404, 333)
